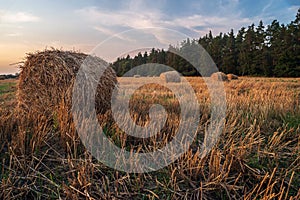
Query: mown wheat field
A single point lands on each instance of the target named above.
(257, 155)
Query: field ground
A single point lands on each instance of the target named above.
(256, 157)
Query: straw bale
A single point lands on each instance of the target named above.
(45, 92)
(219, 76)
(232, 77)
(170, 76)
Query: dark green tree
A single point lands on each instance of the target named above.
(230, 54)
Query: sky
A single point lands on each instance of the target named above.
(113, 28)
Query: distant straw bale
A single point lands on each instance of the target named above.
(170, 77)
(45, 91)
(137, 76)
(232, 77)
(219, 76)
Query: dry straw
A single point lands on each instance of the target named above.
(171, 76)
(219, 76)
(45, 94)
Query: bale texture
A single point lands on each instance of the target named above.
(219, 76)
(137, 76)
(170, 77)
(45, 94)
(232, 77)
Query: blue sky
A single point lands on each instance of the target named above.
(110, 28)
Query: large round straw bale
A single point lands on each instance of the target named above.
(232, 77)
(171, 76)
(45, 91)
(219, 76)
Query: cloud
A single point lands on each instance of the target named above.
(121, 18)
(112, 22)
(293, 9)
(267, 6)
(17, 17)
(115, 32)
(202, 24)
(13, 34)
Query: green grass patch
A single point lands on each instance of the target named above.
(7, 87)
(292, 120)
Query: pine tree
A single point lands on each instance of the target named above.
(258, 50)
(241, 51)
(230, 54)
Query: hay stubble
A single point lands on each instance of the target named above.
(257, 156)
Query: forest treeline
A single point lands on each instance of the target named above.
(9, 76)
(262, 50)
